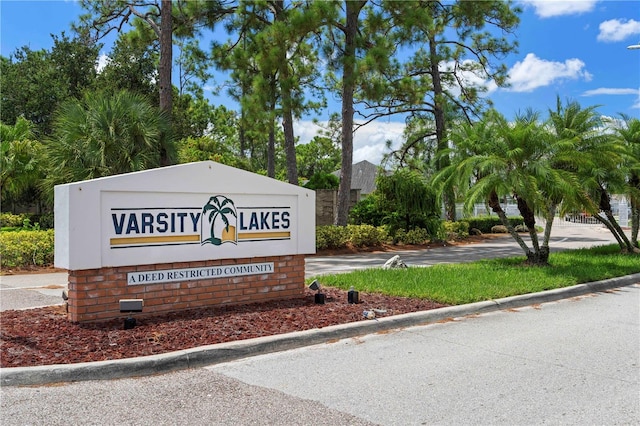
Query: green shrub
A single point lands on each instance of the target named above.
(331, 237)
(26, 248)
(323, 181)
(456, 230)
(366, 211)
(485, 223)
(416, 236)
(406, 201)
(45, 220)
(366, 235)
(12, 220)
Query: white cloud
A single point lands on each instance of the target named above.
(552, 8)
(611, 91)
(533, 72)
(618, 29)
(470, 73)
(369, 142)
(306, 130)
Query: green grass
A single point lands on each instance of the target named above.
(456, 284)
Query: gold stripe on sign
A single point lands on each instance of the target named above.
(156, 240)
(262, 235)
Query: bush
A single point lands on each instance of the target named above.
(366, 211)
(485, 223)
(456, 230)
(9, 220)
(323, 181)
(32, 222)
(406, 201)
(366, 235)
(331, 237)
(26, 248)
(416, 236)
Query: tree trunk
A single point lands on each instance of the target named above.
(348, 88)
(635, 210)
(530, 222)
(285, 96)
(290, 146)
(164, 70)
(635, 224)
(550, 215)
(611, 223)
(448, 195)
(494, 203)
(271, 153)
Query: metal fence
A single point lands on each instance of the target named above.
(619, 206)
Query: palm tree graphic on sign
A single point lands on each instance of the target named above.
(218, 210)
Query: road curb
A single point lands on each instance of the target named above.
(230, 351)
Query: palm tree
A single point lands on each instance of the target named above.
(103, 135)
(599, 160)
(627, 132)
(496, 158)
(20, 160)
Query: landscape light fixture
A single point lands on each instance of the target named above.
(130, 306)
(319, 297)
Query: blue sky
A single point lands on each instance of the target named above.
(573, 49)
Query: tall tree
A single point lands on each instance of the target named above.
(627, 132)
(354, 41)
(158, 17)
(271, 60)
(349, 75)
(35, 82)
(453, 45)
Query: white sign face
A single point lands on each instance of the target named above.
(190, 274)
(185, 213)
(176, 227)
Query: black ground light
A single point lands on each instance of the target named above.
(319, 297)
(130, 306)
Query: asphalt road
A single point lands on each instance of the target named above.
(572, 362)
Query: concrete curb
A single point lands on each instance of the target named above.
(224, 352)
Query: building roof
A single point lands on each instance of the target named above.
(363, 176)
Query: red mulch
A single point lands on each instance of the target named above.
(44, 336)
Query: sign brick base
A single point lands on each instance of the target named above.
(95, 294)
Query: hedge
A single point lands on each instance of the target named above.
(26, 248)
(485, 223)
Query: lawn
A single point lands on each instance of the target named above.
(457, 284)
